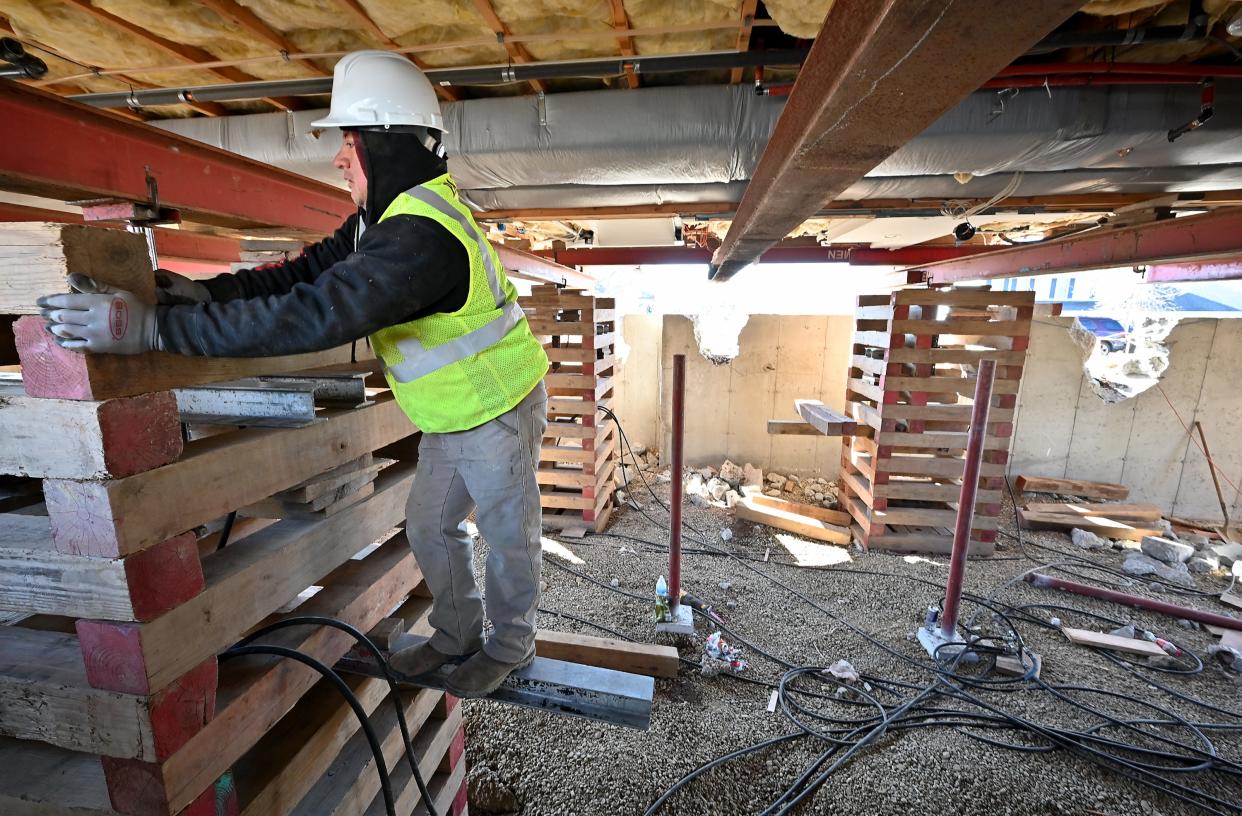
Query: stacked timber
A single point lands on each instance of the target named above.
(123, 584)
(911, 390)
(579, 452)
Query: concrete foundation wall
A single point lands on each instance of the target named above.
(1064, 430)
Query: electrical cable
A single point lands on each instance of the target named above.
(335, 679)
(393, 693)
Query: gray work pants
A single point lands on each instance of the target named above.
(491, 467)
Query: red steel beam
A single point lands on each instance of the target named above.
(192, 246)
(1180, 612)
(855, 256)
(1207, 237)
(66, 150)
(878, 74)
(1209, 271)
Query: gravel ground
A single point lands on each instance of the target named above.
(536, 764)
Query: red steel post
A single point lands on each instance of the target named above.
(679, 427)
(1173, 610)
(966, 499)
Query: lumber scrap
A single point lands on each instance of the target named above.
(51, 371)
(635, 658)
(1117, 643)
(1072, 487)
(1232, 599)
(1100, 525)
(243, 586)
(824, 419)
(800, 519)
(38, 257)
(82, 439)
(1127, 512)
(212, 478)
(798, 427)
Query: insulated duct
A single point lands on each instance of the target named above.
(690, 144)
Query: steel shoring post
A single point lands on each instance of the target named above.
(966, 500)
(679, 426)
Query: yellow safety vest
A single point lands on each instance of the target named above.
(455, 371)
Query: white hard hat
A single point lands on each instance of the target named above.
(374, 89)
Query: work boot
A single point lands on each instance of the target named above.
(481, 675)
(419, 659)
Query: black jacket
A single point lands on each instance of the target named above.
(403, 268)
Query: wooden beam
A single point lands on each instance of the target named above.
(795, 518)
(178, 51)
(38, 258)
(1072, 487)
(79, 439)
(824, 419)
(608, 653)
(1117, 643)
(743, 36)
(214, 477)
(255, 692)
(35, 578)
(44, 696)
(621, 22)
(51, 371)
(246, 19)
(1100, 525)
(795, 427)
(516, 50)
(355, 10)
(243, 586)
(875, 78)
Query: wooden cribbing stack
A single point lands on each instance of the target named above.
(910, 390)
(112, 697)
(579, 453)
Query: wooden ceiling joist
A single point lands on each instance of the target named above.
(360, 15)
(183, 53)
(248, 20)
(517, 51)
(621, 22)
(743, 35)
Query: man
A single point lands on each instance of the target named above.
(413, 272)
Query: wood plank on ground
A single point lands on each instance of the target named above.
(791, 521)
(1100, 525)
(1072, 487)
(212, 478)
(636, 658)
(38, 257)
(1102, 640)
(1128, 512)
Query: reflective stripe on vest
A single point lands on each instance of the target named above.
(419, 361)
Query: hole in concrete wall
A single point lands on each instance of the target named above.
(718, 331)
(1126, 354)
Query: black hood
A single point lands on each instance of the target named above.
(393, 163)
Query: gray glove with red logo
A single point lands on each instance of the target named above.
(102, 319)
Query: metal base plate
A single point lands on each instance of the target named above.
(942, 647)
(680, 622)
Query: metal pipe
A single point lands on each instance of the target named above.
(966, 499)
(1173, 610)
(679, 427)
(487, 75)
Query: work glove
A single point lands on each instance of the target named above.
(102, 319)
(172, 289)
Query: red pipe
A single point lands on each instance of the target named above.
(679, 427)
(1173, 610)
(1134, 68)
(966, 499)
(1062, 81)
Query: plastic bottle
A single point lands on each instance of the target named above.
(662, 588)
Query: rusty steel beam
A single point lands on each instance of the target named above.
(70, 151)
(1195, 272)
(1213, 236)
(877, 75)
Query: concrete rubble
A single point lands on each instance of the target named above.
(1168, 550)
(1089, 540)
